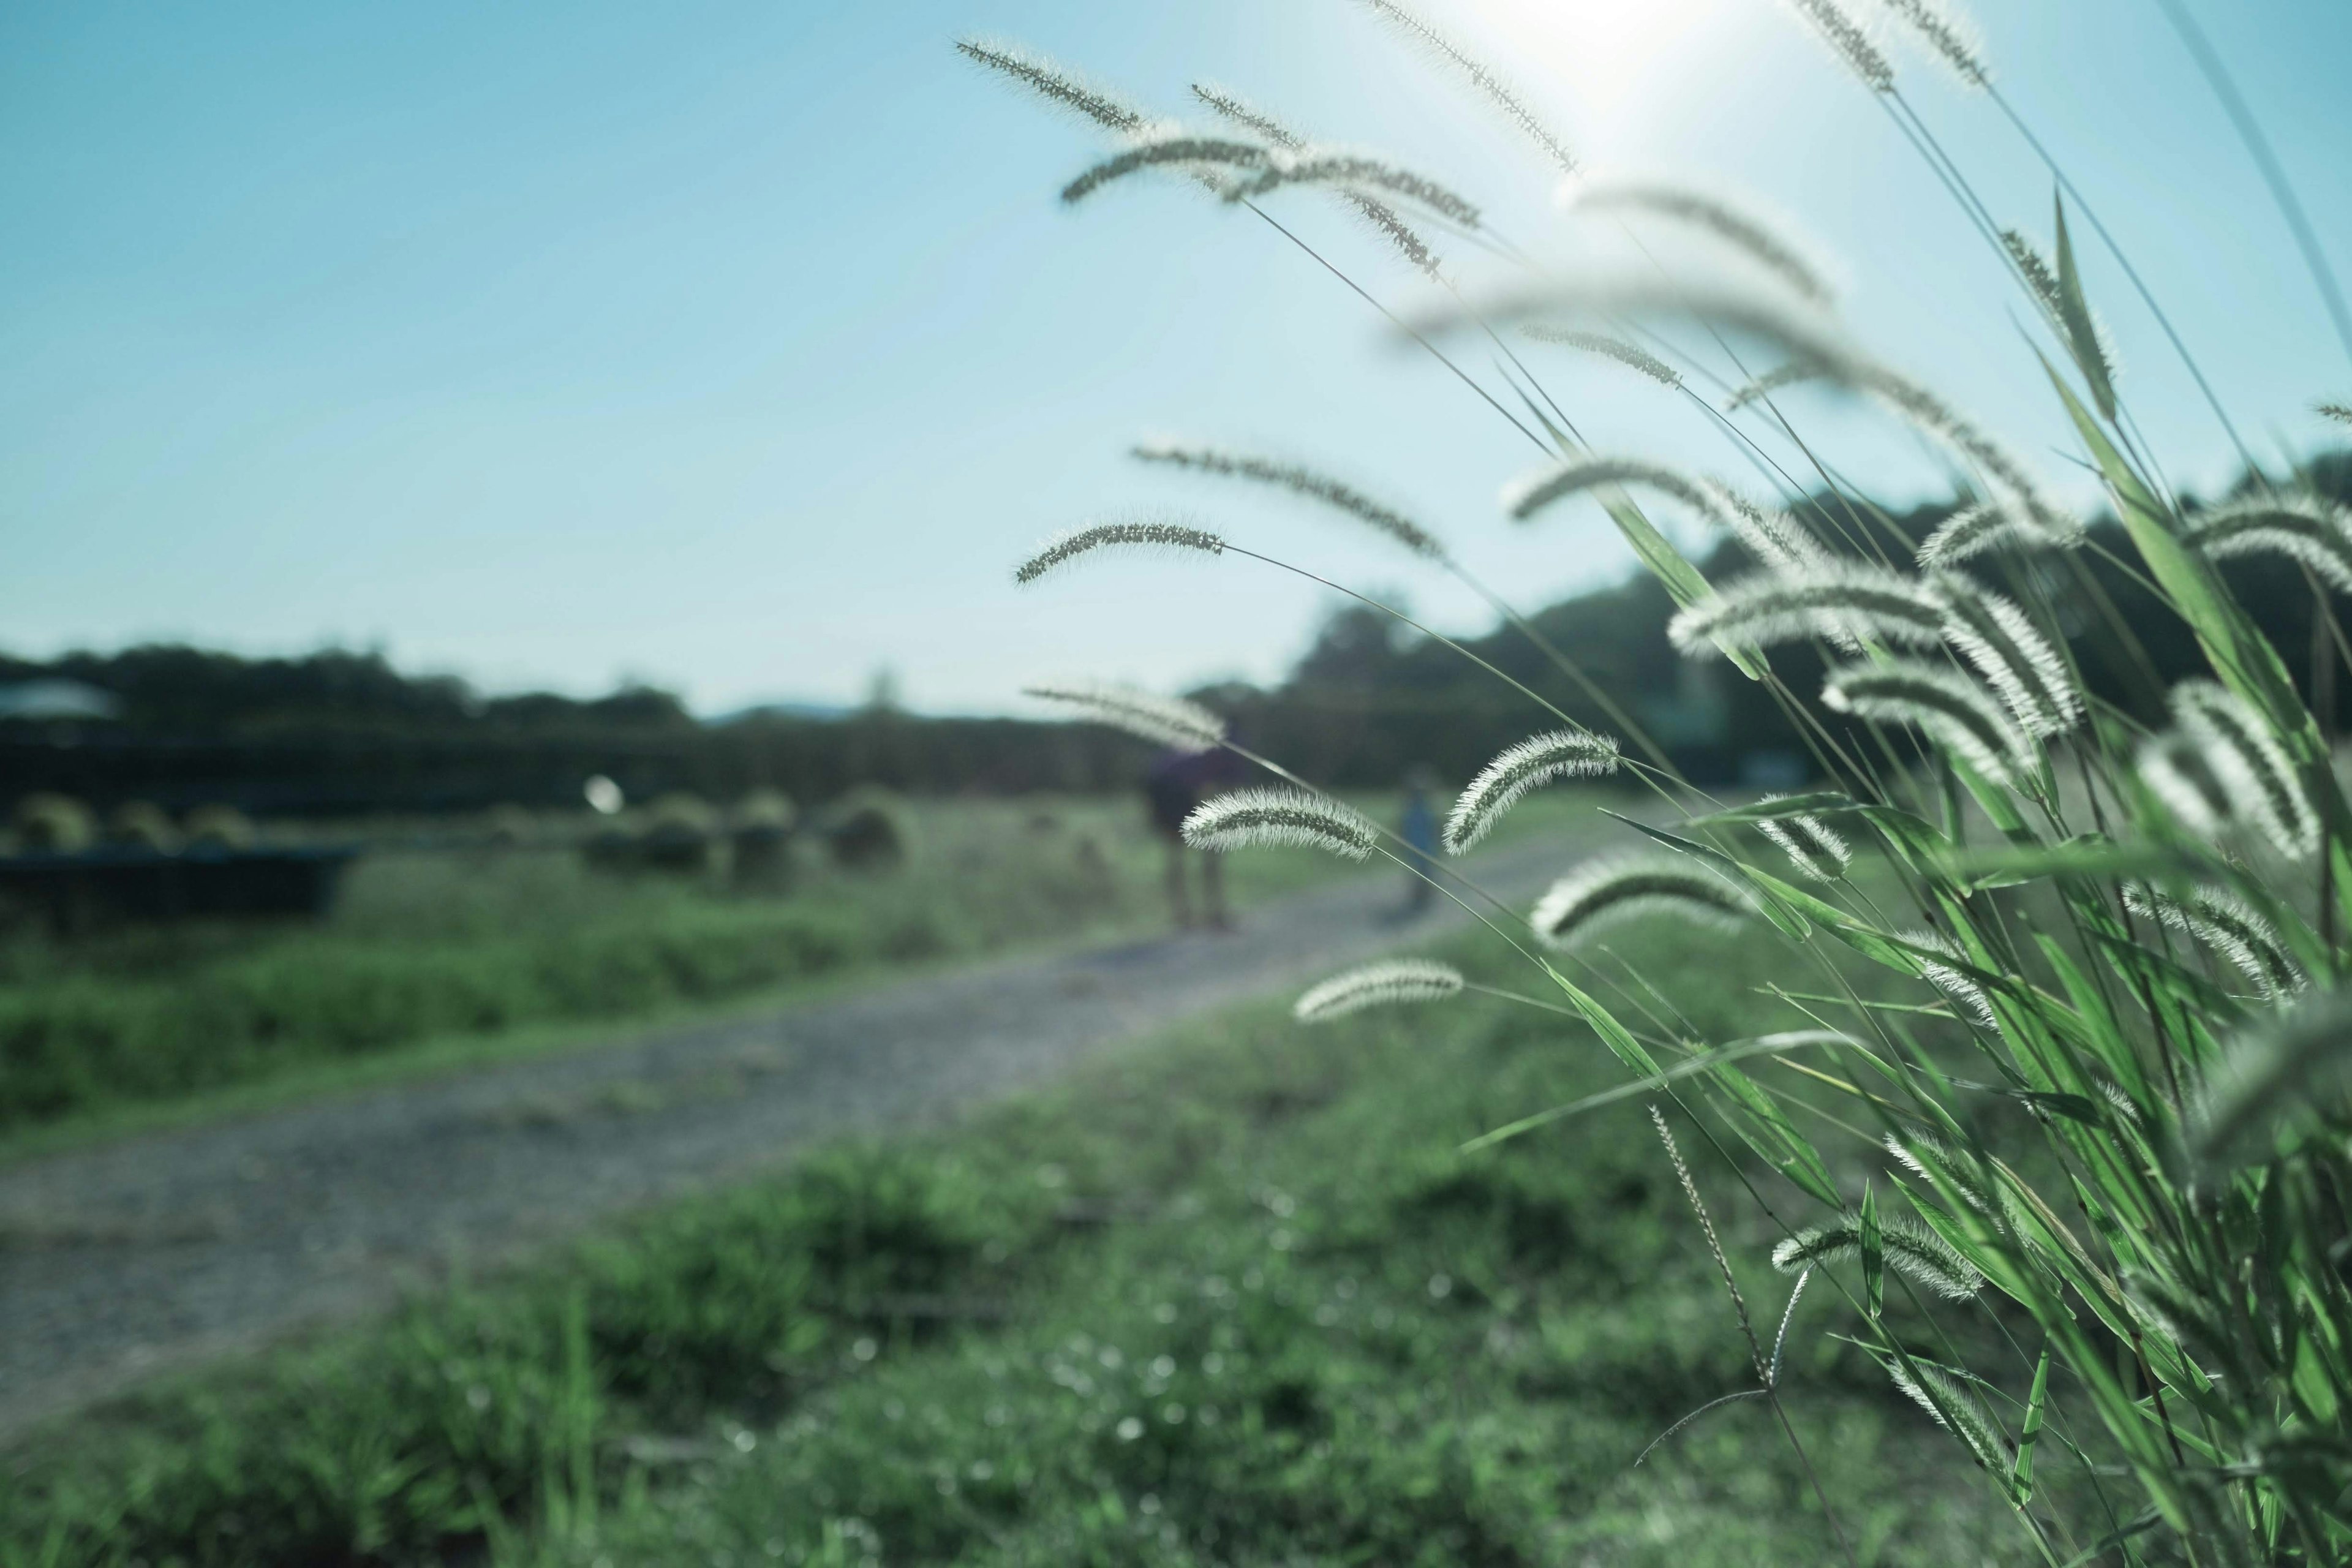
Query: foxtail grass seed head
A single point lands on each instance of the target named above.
(1377, 985)
(2303, 528)
(1775, 539)
(1489, 86)
(2009, 651)
(1602, 893)
(1743, 231)
(2251, 767)
(1280, 818)
(2339, 412)
(1383, 218)
(1061, 88)
(2226, 923)
(1949, 36)
(1966, 998)
(1157, 535)
(1533, 762)
(1796, 372)
(1631, 355)
(2036, 270)
(1845, 599)
(1816, 849)
(1931, 1162)
(1956, 1407)
(1911, 1248)
(1847, 39)
(1300, 479)
(1954, 712)
(1173, 147)
(2293, 1064)
(1990, 525)
(2177, 772)
(1349, 171)
(1164, 720)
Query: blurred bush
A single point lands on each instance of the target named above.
(219, 827)
(867, 831)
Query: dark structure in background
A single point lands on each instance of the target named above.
(341, 733)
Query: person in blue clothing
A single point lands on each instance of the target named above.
(1178, 782)
(1417, 826)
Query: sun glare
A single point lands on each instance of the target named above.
(1617, 59)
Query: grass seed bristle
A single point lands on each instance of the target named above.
(1154, 534)
(1743, 231)
(1279, 818)
(1956, 712)
(1530, 765)
(1599, 895)
(1377, 985)
(1300, 479)
(1165, 721)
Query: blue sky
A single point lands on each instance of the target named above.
(742, 347)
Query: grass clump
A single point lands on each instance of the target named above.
(1237, 1298)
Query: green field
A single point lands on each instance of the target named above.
(1230, 1296)
(469, 945)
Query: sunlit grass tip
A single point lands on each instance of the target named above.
(1530, 765)
(1280, 818)
(1751, 236)
(1150, 534)
(1384, 984)
(2245, 758)
(1954, 711)
(2303, 528)
(1847, 599)
(1169, 147)
(1052, 82)
(1849, 40)
(1300, 479)
(1631, 355)
(1164, 720)
(1383, 218)
(1911, 1248)
(1987, 526)
(2011, 652)
(2230, 927)
(1488, 85)
(1816, 849)
(1949, 35)
(1962, 991)
(1602, 893)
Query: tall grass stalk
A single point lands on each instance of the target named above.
(2079, 1168)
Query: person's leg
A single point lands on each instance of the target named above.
(1180, 896)
(1212, 890)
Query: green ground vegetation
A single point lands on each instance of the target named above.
(1232, 1296)
(424, 947)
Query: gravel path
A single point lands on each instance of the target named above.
(119, 1261)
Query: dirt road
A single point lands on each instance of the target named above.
(129, 1259)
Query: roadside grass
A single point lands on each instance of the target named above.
(443, 955)
(1234, 1296)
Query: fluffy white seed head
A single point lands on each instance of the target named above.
(1347, 170)
(2009, 651)
(1169, 147)
(1841, 599)
(2303, 528)
(1279, 818)
(1377, 985)
(1726, 220)
(2174, 770)
(1949, 36)
(1300, 479)
(1631, 355)
(1775, 538)
(1849, 41)
(1815, 849)
(2225, 922)
(1910, 1248)
(1164, 720)
(1482, 79)
(1596, 895)
(1954, 712)
(1990, 525)
(2251, 766)
(1929, 1160)
(1796, 372)
(1056, 86)
(1531, 764)
(1956, 1407)
(1155, 535)
(1383, 218)
(1964, 995)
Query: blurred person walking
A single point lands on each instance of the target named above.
(1178, 782)
(1417, 826)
